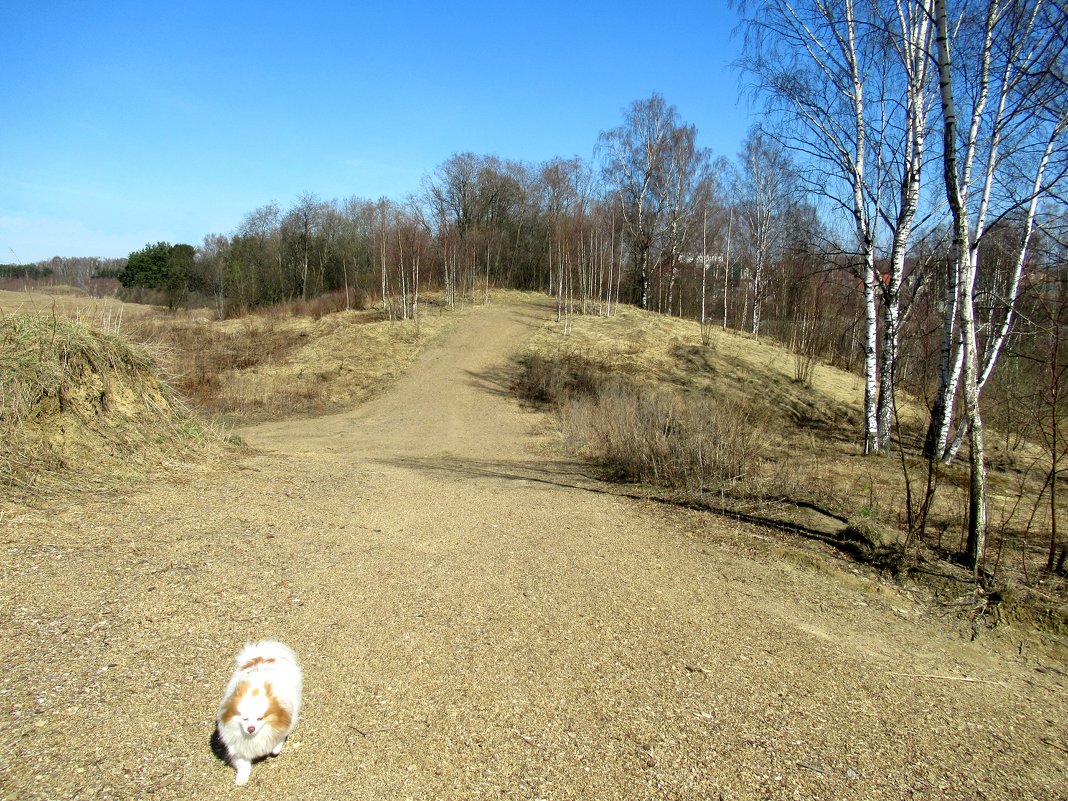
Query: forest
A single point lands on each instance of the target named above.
(899, 211)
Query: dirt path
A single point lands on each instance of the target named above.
(479, 620)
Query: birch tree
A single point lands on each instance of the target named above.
(1009, 58)
(686, 182)
(903, 142)
(848, 82)
(965, 268)
(763, 195)
(809, 62)
(1014, 72)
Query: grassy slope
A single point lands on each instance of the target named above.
(810, 433)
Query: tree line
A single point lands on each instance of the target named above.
(669, 233)
(80, 272)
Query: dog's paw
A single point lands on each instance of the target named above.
(244, 770)
(278, 748)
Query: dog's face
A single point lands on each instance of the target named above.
(253, 708)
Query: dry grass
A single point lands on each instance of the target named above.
(274, 365)
(640, 433)
(79, 407)
(67, 302)
(750, 383)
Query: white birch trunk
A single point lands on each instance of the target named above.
(704, 266)
(871, 363)
(727, 267)
(758, 276)
(865, 237)
(976, 544)
(966, 263)
(997, 342)
(915, 46)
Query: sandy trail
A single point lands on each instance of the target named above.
(478, 620)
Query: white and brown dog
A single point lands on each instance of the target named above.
(261, 703)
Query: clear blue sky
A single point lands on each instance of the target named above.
(127, 123)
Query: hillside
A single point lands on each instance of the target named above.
(789, 432)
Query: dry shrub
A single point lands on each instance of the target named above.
(104, 287)
(324, 304)
(664, 438)
(199, 354)
(556, 379)
(16, 284)
(143, 296)
(643, 434)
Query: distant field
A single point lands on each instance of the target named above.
(65, 301)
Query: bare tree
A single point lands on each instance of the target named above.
(213, 255)
(299, 229)
(257, 266)
(764, 191)
(634, 166)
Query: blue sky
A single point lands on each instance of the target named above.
(127, 123)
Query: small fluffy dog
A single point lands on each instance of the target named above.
(261, 703)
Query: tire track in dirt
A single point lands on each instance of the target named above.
(477, 620)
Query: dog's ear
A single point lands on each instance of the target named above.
(229, 709)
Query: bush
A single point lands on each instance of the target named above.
(643, 434)
(319, 306)
(556, 379)
(659, 437)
